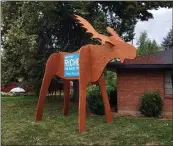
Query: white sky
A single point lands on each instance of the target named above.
(158, 27)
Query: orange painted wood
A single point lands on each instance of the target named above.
(105, 99)
(92, 62)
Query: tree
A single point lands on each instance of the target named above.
(43, 29)
(146, 46)
(33, 30)
(168, 41)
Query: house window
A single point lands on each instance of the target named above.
(168, 83)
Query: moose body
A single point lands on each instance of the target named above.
(93, 57)
(92, 62)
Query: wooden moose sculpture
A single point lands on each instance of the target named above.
(86, 65)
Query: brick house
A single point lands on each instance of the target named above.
(149, 72)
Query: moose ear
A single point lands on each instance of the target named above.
(112, 40)
(114, 33)
(109, 42)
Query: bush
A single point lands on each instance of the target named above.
(95, 101)
(151, 104)
(111, 80)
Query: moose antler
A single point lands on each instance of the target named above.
(102, 38)
(89, 29)
(114, 33)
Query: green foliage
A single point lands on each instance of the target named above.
(151, 104)
(95, 100)
(110, 80)
(168, 41)
(111, 87)
(51, 28)
(146, 46)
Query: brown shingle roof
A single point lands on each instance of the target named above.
(163, 57)
(159, 60)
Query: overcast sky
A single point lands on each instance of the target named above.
(158, 27)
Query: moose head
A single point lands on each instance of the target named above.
(113, 42)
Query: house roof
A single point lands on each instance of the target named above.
(162, 59)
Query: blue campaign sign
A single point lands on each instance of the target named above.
(71, 65)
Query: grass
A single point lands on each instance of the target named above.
(19, 128)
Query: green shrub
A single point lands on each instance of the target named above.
(111, 80)
(151, 104)
(95, 101)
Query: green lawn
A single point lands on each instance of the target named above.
(19, 128)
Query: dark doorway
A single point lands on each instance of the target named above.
(113, 100)
(111, 79)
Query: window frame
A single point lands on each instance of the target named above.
(164, 83)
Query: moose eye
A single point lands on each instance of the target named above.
(99, 39)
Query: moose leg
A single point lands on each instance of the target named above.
(66, 96)
(105, 99)
(82, 107)
(44, 88)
